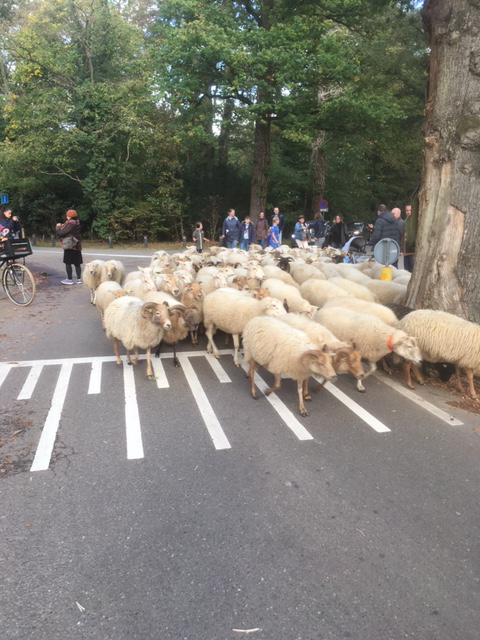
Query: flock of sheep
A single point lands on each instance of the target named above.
(299, 312)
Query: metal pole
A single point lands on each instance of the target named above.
(184, 242)
(110, 242)
(52, 237)
(145, 242)
(34, 240)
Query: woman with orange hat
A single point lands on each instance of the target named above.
(71, 236)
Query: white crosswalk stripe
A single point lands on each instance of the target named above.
(133, 431)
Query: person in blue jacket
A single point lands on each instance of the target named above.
(245, 235)
(230, 230)
(10, 222)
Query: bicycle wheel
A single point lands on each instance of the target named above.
(19, 284)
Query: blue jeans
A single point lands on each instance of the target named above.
(231, 244)
(408, 262)
(244, 245)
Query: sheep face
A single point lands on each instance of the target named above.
(260, 294)
(110, 270)
(319, 363)
(195, 290)
(157, 314)
(93, 267)
(407, 347)
(347, 360)
(274, 308)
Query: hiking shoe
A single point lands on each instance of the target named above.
(67, 281)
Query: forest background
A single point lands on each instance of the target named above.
(146, 116)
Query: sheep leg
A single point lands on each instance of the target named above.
(301, 404)
(407, 372)
(149, 364)
(236, 344)
(115, 350)
(386, 367)
(372, 366)
(471, 387)
(320, 385)
(306, 393)
(276, 385)
(92, 296)
(460, 386)
(211, 347)
(417, 374)
(251, 375)
(135, 351)
(176, 362)
(128, 357)
(158, 350)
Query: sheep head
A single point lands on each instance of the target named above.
(273, 307)
(319, 362)
(406, 346)
(157, 314)
(348, 360)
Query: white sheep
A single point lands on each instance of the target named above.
(272, 271)
(371, 336)
(106, 293)
(388, 291)
(290, 295)
(362, 306)
(113, 270)
(92, 274)
(138, 325)
(211, 283)
(377, 268)
(317, 292)
(349, 272)
(444, 337)
(301, 272)
(358, 290)
(284, 351)
(231, 312)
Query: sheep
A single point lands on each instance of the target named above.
(377, 268)
(358, 290)
(350, 273)
(374, 338)
(362, 306)
(346, 359)
(230, 313)
(136, 324)
(167, 283)
(329, 270)
(284, 351)
(402, 280)
(113, 270)
(272, 271)
(284, 263)
(140, 286)
(302, 272)
(317, 292)
(182, 321)
(387, 291)
(141, 271)
(210, 283)
(92, 276)
(444, 337)
(192, 298)
(106, 293)
(290, 295)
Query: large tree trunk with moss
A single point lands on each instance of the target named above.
(261, 166)
(447, 262)
(318, 171)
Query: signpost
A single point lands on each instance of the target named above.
(4, 198)
(323, 205)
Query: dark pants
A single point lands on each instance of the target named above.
(408, 262)
(78, 269)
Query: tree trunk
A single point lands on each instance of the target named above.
(318, 171)
(447, 262)
(261, 165)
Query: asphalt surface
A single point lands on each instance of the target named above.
(353, 533)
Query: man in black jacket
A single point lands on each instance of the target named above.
(386, 226)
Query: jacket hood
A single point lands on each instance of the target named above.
(388, 216)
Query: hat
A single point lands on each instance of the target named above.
(71, 213)
(302, 217)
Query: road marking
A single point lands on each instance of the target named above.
(95, 383)
(214, 428)
(283, 411)
(160, 375)
(43, 455)
(100, 254)
(30, 383)
(132, 417)
(356, 408)
(217, 368)
(4, 370)
(428, 406)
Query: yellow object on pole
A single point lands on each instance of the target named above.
(387, 273)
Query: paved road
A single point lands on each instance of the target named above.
(182, 508)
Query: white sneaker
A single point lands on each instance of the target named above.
(78, 282)
(67, 281)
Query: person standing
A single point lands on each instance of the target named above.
(72, 249)
(338, 233)
(199, 237)
(408, 241)
(245, 235)
(398, 217)
(10, 222)
(301, 233)
(230, 229)
(319, 227)
(273, 239)
(386, 226)
(260, 230)
(280, 224)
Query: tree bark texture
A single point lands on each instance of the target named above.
(447, 262)
(261, 165)
(318, 172)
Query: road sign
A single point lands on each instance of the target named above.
(386, 251)
(4, 198)
(324, 205)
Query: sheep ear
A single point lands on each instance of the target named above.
(354, 346)
(285, 305)
(166, 304)
(325, 348)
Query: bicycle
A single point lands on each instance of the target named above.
(17, 280)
